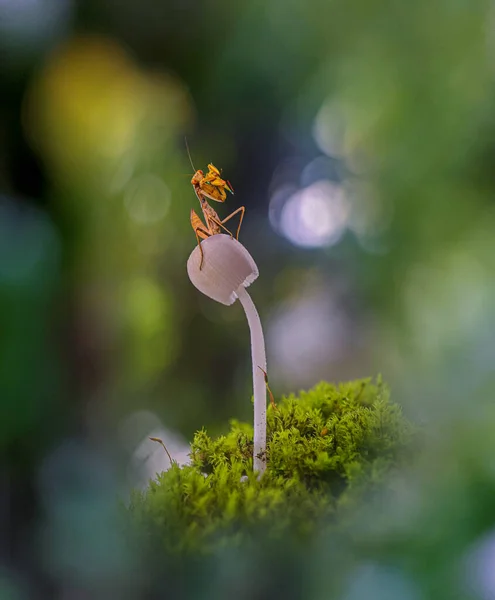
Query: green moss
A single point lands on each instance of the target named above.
(327, 450)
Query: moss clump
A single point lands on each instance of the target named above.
(327, 450)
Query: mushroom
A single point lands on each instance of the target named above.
(227, 270)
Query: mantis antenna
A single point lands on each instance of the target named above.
(189, 154)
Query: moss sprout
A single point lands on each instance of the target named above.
(327, 450)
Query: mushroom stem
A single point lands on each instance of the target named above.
(258, 356)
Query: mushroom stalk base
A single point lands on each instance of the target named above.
(258, 356)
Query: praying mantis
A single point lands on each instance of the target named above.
(211, 186)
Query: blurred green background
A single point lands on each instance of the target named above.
(360, 137)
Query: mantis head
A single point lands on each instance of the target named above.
(197, 177)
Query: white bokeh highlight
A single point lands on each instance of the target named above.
(315, 216)
(307, 335)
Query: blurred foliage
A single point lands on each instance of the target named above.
(372, 121)
(327, 451)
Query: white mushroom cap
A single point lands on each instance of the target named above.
(227, 265)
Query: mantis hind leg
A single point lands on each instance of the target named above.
(220, 224)
(241, 209)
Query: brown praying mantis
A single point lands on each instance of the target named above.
(211, 186)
